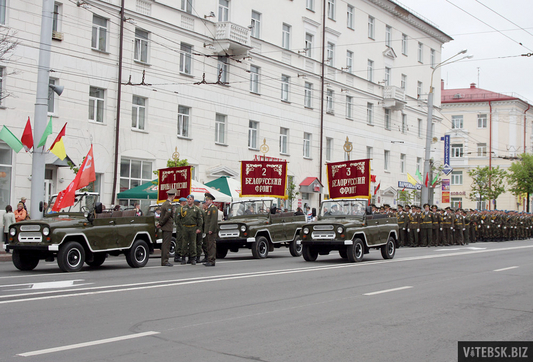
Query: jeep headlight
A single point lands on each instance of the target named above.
(12, 231)
(243, 228)
(339, 230)
(46, 231)
(306, 231)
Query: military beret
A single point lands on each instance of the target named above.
(182, 199)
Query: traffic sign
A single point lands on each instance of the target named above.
(447, 169)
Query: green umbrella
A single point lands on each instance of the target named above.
(147, 190)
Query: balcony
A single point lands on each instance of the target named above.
(393, 98)
(232, 39)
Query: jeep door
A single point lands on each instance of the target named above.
(276, 229)
(102, 234)
(292, 223)
(372, 229)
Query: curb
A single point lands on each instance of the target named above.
(5, 256)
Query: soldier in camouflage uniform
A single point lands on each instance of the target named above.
(447, 227)
(403, 218)
(190, 218)
(436, 226)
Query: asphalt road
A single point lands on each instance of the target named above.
(415, 307)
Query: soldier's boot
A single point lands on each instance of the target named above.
(193, 261)
(184, 260)
(199, 259)
(177, 258)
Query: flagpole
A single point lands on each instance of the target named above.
(41, 109)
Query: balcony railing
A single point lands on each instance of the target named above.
(393, 97)
(232, 38)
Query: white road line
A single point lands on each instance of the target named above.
(41, 275)
(388, 290)
(502, 269)
(87, 344)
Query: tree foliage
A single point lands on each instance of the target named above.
(8, 43)
(520, 176)
(291, 192)
(172, 163)
(487, 184)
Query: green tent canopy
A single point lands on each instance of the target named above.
(145, 191)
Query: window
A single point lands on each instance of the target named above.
(286, 37)
(349, 107)
(284, 141)
(141, 46)
(432, 58)
(369, 152)
(56, 17)
(387, 75)
(404, 44)
(481, 121)
(418, 89)
(99, 35)
(308, 96)
(256, 24)
(329, 149)
(96, 185)
(419, 164)
(6, 166)
(308, 45)
(138, 113)
(185, 58)
(371, 27)
(457, 122)
(349, 16)
(3, 19)
(370, 70)
(457, 177)
(388, 36)
(51, 96)
(331, 9)
(329, 101)
(387, 119)
(307, 145)
(220, 128)
(403, 82)
(349, 61)
(310, 4)
(96, 104)
(253, 128)
(386, 160)
(456, 202)
(285, 80)
(404, 123)
(419, 128)
(330, 54)
(482, 149)
(134, 173)
(420, 52)
(184, 114)
(223, 71)
(254, 79)
(186, 5)
(481, 205)
(402, 163)
(457, 150)
(370, 113)
(223, 10)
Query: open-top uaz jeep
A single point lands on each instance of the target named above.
(82, 234)
(348, 225)
(257, 225)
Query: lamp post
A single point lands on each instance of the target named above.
(427, 156)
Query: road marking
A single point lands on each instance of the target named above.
(197, 280)
(465, 248)
(87, 344)
(41, 275)
(388, 290)
(509, 268)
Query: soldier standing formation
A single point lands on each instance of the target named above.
(167, 226)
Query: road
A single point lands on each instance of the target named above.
(415, 307)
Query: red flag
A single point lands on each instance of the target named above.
(427, 179)
(377, 188)
(59, 136)
(66, 197)
(27, 137)
(87, 172)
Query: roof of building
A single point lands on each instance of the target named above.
(309, 180)
(474, 94)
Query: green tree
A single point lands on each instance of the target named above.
(291, 192)
(487, 184)
(520, 177)
(172, 163)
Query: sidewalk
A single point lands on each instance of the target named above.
(3, 255)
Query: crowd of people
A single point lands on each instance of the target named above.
(433, 226)
(10, 217)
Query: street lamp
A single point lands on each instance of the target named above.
(425, 189)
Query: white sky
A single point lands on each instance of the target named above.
(494, 45)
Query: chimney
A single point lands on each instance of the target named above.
(472, 85)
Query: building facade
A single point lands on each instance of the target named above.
(213, 80)
(485, 128)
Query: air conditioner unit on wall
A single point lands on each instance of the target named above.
(57, 35)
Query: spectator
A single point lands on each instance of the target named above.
(138, 211)
(20, 213)
(9, 218)
(299, 211)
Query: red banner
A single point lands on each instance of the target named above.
(178, 178)
(264, 178)
(349, 179)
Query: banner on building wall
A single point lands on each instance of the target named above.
(445, 191)
(178, 178)
(349, 179)
(264, 178)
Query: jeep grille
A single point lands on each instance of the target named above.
(228, 226)
(323, 227)
(30, 228)
(30, 237)
(323, 234)
(233, 233)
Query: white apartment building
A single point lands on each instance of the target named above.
(214, 80)
(485, 128)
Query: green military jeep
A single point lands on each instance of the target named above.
(81, 234)
(257, 225)
(348, 225)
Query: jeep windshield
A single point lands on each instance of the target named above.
(254, 207)
(82, 202)
(343, 208)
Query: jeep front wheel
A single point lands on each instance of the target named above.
(172, 251)
(309, 253)
(71, 257)
(137, 256)
(356, 251)
(388, 250)
(24, 261)
(295, 247)
(260, 248)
